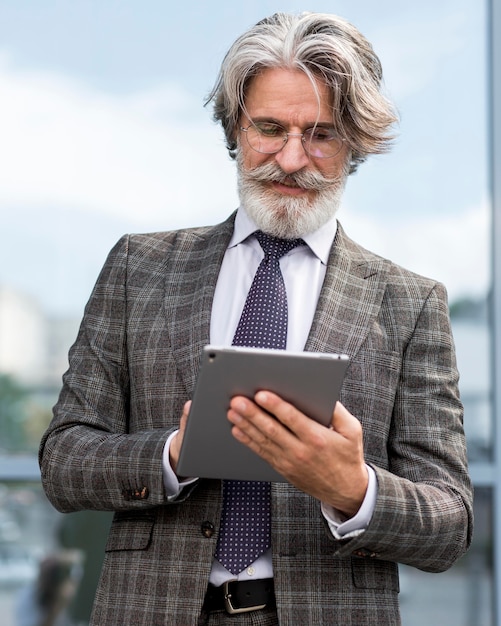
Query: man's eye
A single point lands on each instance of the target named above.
(270, 130)
(321, 134)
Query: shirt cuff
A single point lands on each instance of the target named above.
(342, 528)
(172, 485)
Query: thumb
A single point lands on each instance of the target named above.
(344, 423)
(184, 416)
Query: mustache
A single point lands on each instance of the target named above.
(271, 172)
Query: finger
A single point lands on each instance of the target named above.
(175, 444)
(344, 423)
(184, 416)
(292, 418)
(254, 427)
(250, 419)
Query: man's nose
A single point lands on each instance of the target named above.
(292, 157)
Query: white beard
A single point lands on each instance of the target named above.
(285, 216)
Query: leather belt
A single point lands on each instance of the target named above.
(240, 596)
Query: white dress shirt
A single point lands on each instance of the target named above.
(303, 269)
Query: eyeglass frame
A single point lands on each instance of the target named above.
(286, 136)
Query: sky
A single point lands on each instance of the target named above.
(103, 131)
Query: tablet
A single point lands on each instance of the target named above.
(309, 380)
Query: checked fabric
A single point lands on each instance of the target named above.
(245, 531)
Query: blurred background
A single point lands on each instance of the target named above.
(103, 131)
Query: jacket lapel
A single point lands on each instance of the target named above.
(350, 299)
(190, 281)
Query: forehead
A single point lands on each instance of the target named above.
(289, 97)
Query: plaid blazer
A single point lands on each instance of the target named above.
(133, 366)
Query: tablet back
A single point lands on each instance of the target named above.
(309, 380)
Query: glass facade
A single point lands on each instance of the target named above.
(449, 167)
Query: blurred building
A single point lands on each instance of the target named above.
(33, 347)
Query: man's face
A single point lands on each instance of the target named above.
(289, 193)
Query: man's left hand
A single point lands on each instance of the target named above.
(327, 463)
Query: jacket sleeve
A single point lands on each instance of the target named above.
(423, 515)
(88, 457)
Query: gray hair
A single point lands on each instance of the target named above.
(324, 47)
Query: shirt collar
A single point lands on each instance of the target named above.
(319, 242)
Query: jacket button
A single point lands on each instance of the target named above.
(363, 552)
(136, 494)
(142, 494)
(207, 529)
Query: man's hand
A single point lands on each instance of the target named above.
(327, 463)
(175, 444)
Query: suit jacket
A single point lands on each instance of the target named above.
(133, 366)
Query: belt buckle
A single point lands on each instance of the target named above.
(229, 606)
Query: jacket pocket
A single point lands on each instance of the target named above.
(131, 530)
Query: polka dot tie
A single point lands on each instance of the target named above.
(245, 530)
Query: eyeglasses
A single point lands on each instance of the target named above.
(269, 138)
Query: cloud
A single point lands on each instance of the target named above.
(155, 159)
(453, 249)
(409, 64)
(147, 156)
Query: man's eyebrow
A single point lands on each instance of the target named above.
(273, 120)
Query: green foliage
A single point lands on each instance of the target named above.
(22, 418)
(469, 309)
(13, 399)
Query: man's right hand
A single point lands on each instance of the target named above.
(175, 444)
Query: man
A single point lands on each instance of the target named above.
(299, 98)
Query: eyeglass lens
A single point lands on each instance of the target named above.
(271, 138)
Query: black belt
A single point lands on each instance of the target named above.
(240, 596)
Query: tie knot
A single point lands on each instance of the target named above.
(276, 247)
